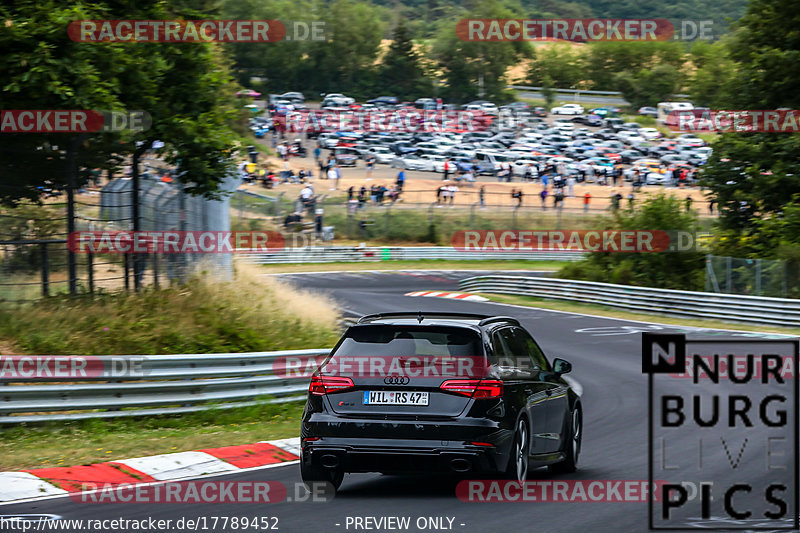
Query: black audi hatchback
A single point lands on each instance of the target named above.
(433, 392)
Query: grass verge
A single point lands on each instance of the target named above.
(422, 264)
(92, 441)
(252, 313)
(611, 312)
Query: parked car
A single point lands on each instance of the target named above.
(384, 100)
(346, 157)
(293, 97)
(589, 120)
(648, 112)
(568, 109)
(248, 93)
(339, 99)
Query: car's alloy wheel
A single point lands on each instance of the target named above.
(518, 462)
(521, 452)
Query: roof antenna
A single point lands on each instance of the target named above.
(420, 318)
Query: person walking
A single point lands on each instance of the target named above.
(482, 196)
(586, 199)
(401, 179)
(447, 169)
(369, 164)
(543, 196)
(317, 153)
(711, 206)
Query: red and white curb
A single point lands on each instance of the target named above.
(449, 295)
(56, 481)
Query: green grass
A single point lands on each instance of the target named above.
(203, 316)
(91, 441)
(611, 312)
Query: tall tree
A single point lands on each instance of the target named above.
(401, 72)
(476, 68)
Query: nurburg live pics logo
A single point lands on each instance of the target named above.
(726, 442)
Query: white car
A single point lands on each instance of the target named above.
(568, 109)
(650, 133)
(490, 109)
(339, 99)
(382, 154)
(657, 178)
(414, 162)
(328, 140)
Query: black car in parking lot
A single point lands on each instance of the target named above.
(439, 392)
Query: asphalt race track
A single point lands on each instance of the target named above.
(606, 358)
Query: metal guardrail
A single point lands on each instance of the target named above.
(329, 254)
(707, 305)
(168, 384)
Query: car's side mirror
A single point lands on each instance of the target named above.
(561, 366)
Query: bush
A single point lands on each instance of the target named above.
(668, 270)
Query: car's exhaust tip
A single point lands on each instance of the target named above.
(329, 461)
(460, 465)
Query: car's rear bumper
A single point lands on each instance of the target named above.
(408, 456)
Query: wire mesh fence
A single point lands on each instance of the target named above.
(756, 277)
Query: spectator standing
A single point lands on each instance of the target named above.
(369, 164)
(482, 196)
(571, 186)
(401, 179)
(350, 193)
(711, 206)
(543, 196)
(447, 169)
(317, 153)
(688, 203)
(586, 199)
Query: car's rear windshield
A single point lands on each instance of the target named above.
(383, 340)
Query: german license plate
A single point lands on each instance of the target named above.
(387, 397)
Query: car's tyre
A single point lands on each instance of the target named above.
(311, 474)
(572, 445)
(517, 468)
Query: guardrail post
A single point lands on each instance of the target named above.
(472, 214)
(45, 270)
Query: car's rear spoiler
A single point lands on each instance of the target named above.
(419, 315)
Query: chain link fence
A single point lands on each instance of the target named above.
(755, 277)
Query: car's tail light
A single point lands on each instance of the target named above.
(474, 388)
(321, 385)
